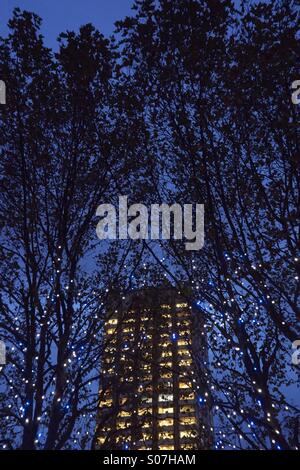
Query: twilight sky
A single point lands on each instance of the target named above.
(62, 15)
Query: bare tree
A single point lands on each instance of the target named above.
(215, 84)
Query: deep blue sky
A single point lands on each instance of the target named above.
(60, 15)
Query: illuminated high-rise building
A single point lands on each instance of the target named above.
(154, 375)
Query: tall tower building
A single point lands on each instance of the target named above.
(154, 375)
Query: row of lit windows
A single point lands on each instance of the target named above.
(165, 344)
(166, 422)
(161, 423)
(145, 378)
(170, 410)
(178, 305)
(101, 440)
(110, 357)
(131, 330)
(161, 326)
(161, 447)
(167, 435)
(107, 401)
(114, 321)
(183, 421)
(181, 343)
(162, 436)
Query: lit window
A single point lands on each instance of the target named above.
(165, 435)
(111, 350)
(188, 420)
(166, 447)
(183, 333)
(187, 396)
(162, 411)
(166, 315)
(112, 321)
(122, 425)
(184, 352)
(183, 305)
(164, 335)
(165, 307)
(146, 425)
(166, 354)
(183, 313)
(147, 400)
(106, 394)
(166, 364)
(108, 360)
(106, 429)
(183, 385)
(166, 422)
(187, 409)
(185, 362)
(106, 403)
(184, 322)
(110, 331)
(182, 342)
(125, 414)
(166, 375)
(165, 344)
(187, 434)
(168, 397)
(122, 439)
(126, 379)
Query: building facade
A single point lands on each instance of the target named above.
(154, 375)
